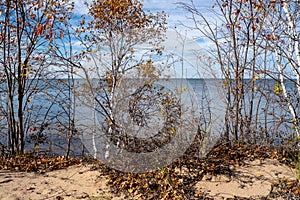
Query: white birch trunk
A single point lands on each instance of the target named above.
(293, 49)
(94, 132)
(293, 38)
(111, 104)
(280, 69)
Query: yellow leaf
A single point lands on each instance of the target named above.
(183, 89)
(277, 89)
(172, 131)
(131, 190)
(290, 183)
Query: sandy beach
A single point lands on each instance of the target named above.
(83, 181)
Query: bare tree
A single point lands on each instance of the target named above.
(27, 30)
(235, 34)
(282, 33)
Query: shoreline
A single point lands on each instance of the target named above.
(239, 172)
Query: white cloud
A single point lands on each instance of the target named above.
(80, 7)
(178, 17)
(181, 46)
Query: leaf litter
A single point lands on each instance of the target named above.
(177, 180)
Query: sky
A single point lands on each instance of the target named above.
(179, 23)
(176, 33)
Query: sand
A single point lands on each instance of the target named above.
(252, 180)
(75, 182)
(82, 182)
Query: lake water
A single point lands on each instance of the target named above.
(53, 97)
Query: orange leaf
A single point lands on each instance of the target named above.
(32, 129)
(270, 37)
(297, 192)
(40, 29)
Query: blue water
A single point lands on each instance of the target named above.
(50, 106)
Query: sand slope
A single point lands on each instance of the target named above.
(75, 182)
(252, 180)
(81, 182)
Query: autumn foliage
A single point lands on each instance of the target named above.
(121, 15)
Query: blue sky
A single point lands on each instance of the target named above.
(193, 42)
(176, 14)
